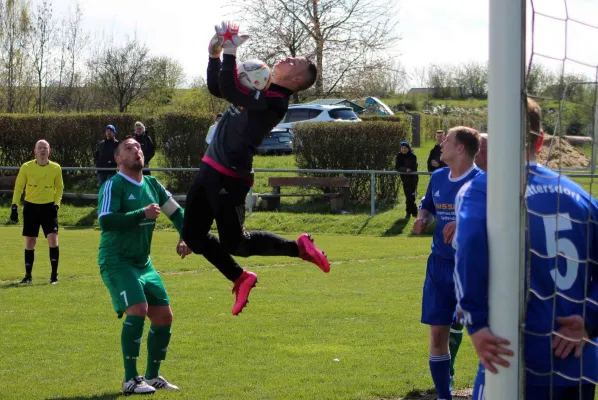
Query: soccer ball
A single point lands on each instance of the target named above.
(254, 74)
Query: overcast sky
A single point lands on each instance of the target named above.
(432, 31)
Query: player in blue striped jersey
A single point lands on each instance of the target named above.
(438, 304)
(563, 243)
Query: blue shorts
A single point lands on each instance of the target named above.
(439, 300)
(538, 392)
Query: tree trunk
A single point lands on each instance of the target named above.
(39, 93)
(320, 65)
(11, 80)
(319, 48)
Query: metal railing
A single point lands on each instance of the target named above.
(373, 173)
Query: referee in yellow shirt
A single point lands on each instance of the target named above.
(42, 181)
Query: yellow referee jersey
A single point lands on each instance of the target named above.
(42, 183)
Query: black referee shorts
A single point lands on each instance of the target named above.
(36, 215)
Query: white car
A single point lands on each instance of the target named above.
(316, 113)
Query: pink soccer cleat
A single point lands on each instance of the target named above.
(309, 252)
(243, 286)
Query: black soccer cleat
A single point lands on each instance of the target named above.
(53, 279)
(26, 280)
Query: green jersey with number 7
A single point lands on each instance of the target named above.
(126, 232)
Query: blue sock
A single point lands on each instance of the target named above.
(440, 367)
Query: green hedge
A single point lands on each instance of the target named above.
(430, 124)
(400, 118)
(182, 141)
(364, 145)
(74, 138)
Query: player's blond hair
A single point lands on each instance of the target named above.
(469, 138)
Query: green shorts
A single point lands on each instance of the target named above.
(129, 286)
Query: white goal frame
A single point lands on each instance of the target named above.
(506, 179)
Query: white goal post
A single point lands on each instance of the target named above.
(506, 144)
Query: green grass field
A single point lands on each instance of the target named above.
(351, 334)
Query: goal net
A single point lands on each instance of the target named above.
(545, 50)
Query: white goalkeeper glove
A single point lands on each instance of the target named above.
(215, 46)
(231, 39)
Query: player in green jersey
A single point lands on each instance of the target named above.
(128, 206)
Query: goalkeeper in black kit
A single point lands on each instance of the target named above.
(226, 174)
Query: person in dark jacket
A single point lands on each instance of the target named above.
(104, 155)
(434, 162)
(147, 145)
(407, 162)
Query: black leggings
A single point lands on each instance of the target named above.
(410, 190)
(214, 196)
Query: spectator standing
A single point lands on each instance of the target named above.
(104, 155)
(434, 161)
(407, 162)
(212, 129)
(147, 145)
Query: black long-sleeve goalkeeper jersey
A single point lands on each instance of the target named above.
(251, 115)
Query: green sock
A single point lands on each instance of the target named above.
(130, 340)
(157, 345)
(455, 338)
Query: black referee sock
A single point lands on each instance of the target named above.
(29, 257)
(54, 255)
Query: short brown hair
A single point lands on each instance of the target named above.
(118, 146)
(534, 121)
(309, 76)
(469, 138)
(439, 131)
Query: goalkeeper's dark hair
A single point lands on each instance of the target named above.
(534, 122)
(469, 138)
(117, 148)
(309, 77)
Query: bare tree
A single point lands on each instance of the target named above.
(77, 40)
(124, 72)
(345, 35)
(166, 75)
(390, 78)
(15, 26)
(476, 78)
(275, 33)
(73, 40)
(460, 80)
(395, 78)
(41, 43)
(440, 80)
(420, 76)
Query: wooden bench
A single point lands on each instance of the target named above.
(8, 181)
(338, 199)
